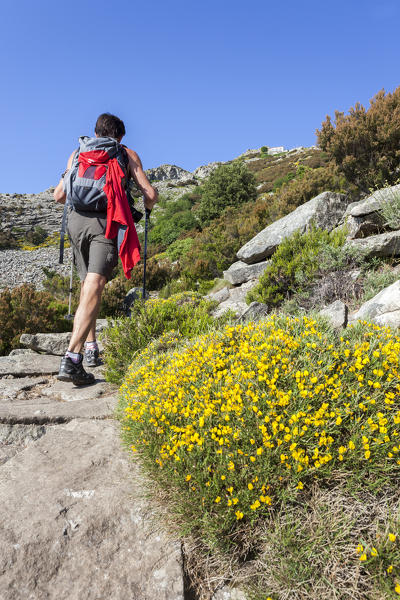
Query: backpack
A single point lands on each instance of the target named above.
(84, 182)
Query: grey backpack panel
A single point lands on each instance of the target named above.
(87, 194)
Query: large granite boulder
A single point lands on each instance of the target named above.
(220, 295)
(324, 211)
(239, 293)
(336, 313)
(240, 272)
(384, 244)
(255, 311)
(50, 343)
(236, 307)
(383, 309)
(364, 218)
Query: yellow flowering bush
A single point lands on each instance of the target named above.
(247, 418)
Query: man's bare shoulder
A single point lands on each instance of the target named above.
(134, 156)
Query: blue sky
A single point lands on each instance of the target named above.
(194, 82)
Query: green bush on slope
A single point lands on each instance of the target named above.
(177, 219)
(365, 144)
(228, 185)
(26, 310)
(296, 263)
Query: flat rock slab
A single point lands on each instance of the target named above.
(70, 393)
(15, 438)
(73, 524)
(45, 409)
(50, 343)
(240, 272)
(29, 364)
(9, 388)
(384, 244)
(373, 203)
(383, 309)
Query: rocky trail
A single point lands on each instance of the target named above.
(73, 521)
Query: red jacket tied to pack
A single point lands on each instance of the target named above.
(93, 165)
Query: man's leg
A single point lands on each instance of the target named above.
(85, 316)
(71, 368)
(91, 336)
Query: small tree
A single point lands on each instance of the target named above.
(228, 185)
(365, 144)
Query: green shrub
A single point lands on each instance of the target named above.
(58, 285)
(176, 219)
(8, 240)
(243, 422)
(390, 206)
(36, 236)
(26, 310)
(365, 144)
(187, 314)
(295, 264)
(214, 249)
(179, 248)
(375, 280)
(113, 297)
(158, 273)
(228, 185)
(278, 183)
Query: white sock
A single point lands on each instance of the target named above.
(76, 357)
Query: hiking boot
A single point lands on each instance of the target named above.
(74, 372)
(92, 358)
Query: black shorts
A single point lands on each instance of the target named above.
(92, 251)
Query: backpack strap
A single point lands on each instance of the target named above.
(65, 217)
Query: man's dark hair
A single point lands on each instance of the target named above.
(109, 126)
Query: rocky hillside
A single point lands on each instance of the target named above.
(33, 220)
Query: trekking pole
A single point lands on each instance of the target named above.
(69, 316)
(146, 227)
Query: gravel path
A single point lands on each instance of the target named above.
(22, 266)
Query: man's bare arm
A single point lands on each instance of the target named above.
(136, 170)
(59, 194)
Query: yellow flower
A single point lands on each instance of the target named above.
(250, 486)
(389, 569)
(397, 588)
(363, 557)
(374, 552)
(239, 515)
(217, 499)
(188, 477)
(300, 485)
(392, 537)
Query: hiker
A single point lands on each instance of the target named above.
(96, 211)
